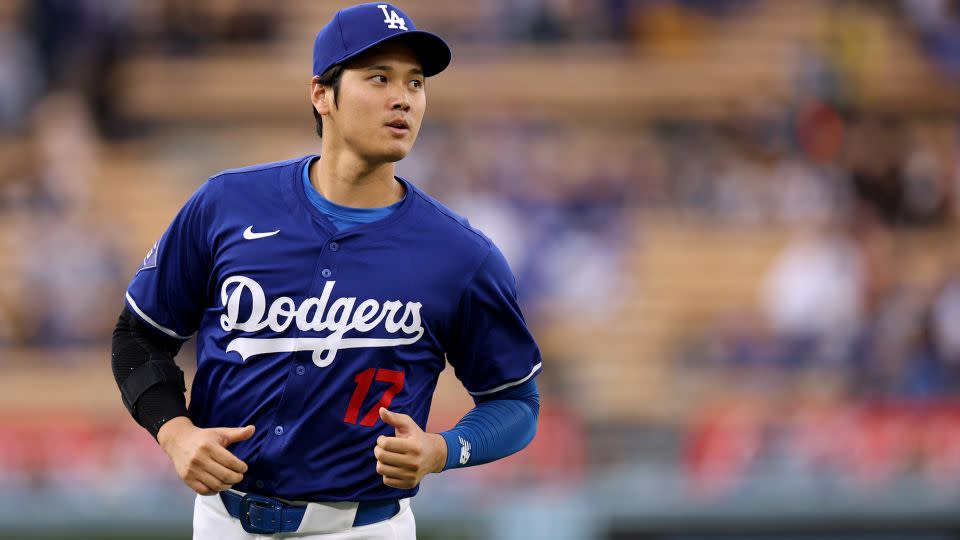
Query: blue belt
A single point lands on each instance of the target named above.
(266, 515)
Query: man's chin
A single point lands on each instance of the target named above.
(393, 155)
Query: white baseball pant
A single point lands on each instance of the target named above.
(211, 522)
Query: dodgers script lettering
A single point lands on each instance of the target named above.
(314, 315)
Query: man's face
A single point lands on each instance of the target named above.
(380, 104)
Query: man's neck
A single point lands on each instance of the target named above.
(344, 179)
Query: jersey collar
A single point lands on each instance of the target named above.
(323, 221)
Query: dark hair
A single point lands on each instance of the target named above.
(330, 78)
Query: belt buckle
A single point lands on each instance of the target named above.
(261, 503)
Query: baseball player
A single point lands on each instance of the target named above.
(327, 295)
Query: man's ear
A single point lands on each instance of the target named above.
(321, 96)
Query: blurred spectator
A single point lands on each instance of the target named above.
(945, 314)
(899, 175)
(189, 27)
(938, 23)
(19, 82)
(68, 151)
(668, 28)
(184, 28)
(815, 291)
(907, 347)
(20, 188)
(539, 20)
(80, 43)
(66, 251)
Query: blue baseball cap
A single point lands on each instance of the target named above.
(357, 29)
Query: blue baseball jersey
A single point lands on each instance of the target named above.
(305, 331)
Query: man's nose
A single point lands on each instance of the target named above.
(401, 101)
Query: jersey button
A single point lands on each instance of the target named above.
(278, 430)
(301, 370)
(259, 484)
(326, 272)
(334, 246)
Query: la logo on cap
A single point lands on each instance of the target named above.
(393, 20)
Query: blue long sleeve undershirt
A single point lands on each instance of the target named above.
(501, 424)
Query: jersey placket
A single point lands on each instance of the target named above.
(287, 416)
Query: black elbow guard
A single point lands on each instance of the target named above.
(147, 376)
(151, 385)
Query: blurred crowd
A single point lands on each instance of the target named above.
(842, 305)
(574, 212)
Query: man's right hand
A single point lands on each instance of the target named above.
(200, 455)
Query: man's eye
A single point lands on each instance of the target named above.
(380, 78)
(417, 83)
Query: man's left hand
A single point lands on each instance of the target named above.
(404, 459)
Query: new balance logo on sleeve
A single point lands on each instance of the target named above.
(464, 451)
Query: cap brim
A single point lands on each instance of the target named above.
(433, 51)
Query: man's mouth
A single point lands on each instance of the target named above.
(399, 124)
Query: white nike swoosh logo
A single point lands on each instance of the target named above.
(248, 234)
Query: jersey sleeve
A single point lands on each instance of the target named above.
(491, 348)
(169, 292)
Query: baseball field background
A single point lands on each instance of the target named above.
(733, 225)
